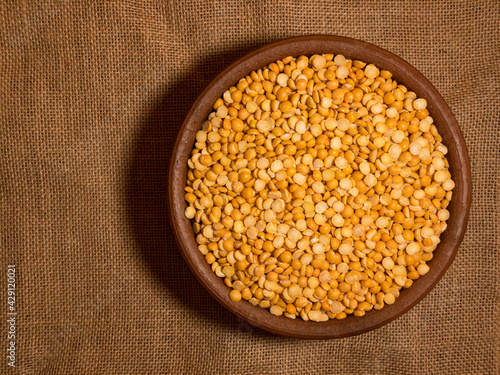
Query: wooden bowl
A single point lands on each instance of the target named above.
(405, 74)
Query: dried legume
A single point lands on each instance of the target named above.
(318, 187)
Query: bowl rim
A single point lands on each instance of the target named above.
(448, 128)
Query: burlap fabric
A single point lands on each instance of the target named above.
(91, 96)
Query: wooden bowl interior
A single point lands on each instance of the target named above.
(457, 157)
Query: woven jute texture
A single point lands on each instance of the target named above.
(91, 97)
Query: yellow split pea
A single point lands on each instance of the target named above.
(318, 187)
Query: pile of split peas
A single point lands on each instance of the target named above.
(318, 187)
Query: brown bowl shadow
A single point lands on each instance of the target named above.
(147, 192)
